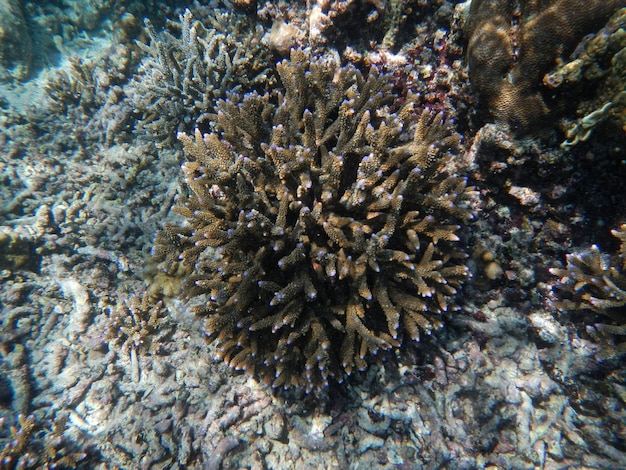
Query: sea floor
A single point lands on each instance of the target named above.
(509, 383)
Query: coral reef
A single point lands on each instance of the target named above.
(508, 383)
(512, 45)
(334, 239)
(186, 71)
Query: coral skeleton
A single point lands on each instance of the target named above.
(318, 231)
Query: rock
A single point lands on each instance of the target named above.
(16, 51)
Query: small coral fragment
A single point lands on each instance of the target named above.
(597, 282)
(136, 324)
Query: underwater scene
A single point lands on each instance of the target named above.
(313, 234)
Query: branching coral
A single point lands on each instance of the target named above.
(182, 78)
(595, 281)
(317, 234)
(137, 326)
(33, 445)
(513, 44)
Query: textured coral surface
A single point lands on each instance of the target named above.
(334, 238)
(513, 44)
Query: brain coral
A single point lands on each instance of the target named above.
(318, 231)
(513, 44)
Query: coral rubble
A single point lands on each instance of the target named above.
(512, 45)
(333, 237)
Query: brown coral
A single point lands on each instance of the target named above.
(35, 445)
(597, 282)
(316, 235)
(599, 65)
(513, 44)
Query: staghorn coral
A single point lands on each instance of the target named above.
(316, 234)
(16, 48)
(513, 44)
(136, 324)
(599, 61)
(182, 77)
(597, 282)
(34, 445)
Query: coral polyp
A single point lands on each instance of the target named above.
(322, 224)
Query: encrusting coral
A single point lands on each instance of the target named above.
(597, 282)
(318, 232)
(513, 44)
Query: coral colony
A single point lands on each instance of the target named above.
(335, 233)
(341, 161)
(512, 45)
(596, 282)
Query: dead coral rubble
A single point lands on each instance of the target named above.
(513, 44)
(333, 237)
